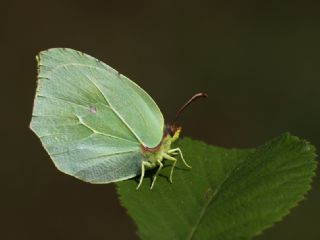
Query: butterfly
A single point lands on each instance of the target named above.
(96, 124)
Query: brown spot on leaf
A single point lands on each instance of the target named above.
(207, 193)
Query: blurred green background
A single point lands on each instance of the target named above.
(258, 61)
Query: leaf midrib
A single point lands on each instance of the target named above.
(210, 200)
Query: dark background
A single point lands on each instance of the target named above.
(258, 61)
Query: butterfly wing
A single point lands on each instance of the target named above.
(90, 119)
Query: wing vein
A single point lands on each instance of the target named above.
(68, 101)
(96, 157)
(115, 112)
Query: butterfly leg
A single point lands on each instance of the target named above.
(156, 174)
(175, 150)
(142, 174)
(174, 160)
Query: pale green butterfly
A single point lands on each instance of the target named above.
(96, 124)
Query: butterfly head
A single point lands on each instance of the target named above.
(173, 131)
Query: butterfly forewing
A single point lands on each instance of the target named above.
(90, 119)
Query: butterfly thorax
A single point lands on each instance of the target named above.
(154, 155)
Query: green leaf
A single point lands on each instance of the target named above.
(228, 193)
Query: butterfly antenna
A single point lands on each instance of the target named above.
(194, 97)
